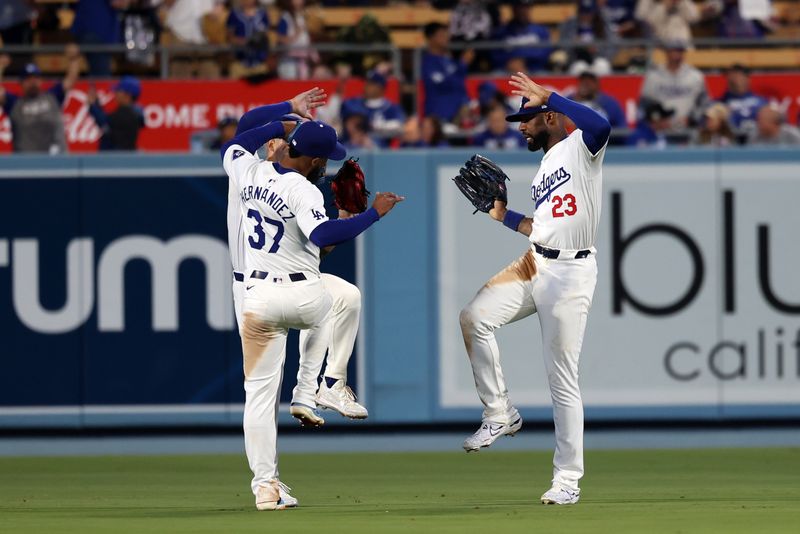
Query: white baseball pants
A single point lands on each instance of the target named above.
(346, 312)
(269, 310)
(561, 292)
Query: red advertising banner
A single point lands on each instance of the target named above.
(783, 89)
(173, 110)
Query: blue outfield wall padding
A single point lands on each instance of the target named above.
(399, 284)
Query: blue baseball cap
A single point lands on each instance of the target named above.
(376, 77)
(317, 140)
(526, 114)
(31, 70)
(130, 85)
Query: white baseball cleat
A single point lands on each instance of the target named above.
(340, 398)
(307, 415)
(274, 496)
(287, 501)
(490, 431)
(558, 494)
(268, 497)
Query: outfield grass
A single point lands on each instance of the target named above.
(732, 490)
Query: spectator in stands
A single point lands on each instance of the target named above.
(184, 21)
(669, 20)
(471, 22)
(296, 62)
(771, 129)
(677, 86)
(743, 103)
(716, 128)
(15, 29)
(356, 133)
(120, 128)
(248, 29)
(443, 77)
(37, 124)
(620, 14)
(649, 131)
(384, 117)
(97, 22)
(732, 24)
(226, 130)
(499, 135)
(429, 134)
(587, 92)
(590, 27)
(520, 33)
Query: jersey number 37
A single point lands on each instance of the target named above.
(258, 240)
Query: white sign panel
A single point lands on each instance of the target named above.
(698, 294)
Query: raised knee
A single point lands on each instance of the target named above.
(351, 298)
(469, 320)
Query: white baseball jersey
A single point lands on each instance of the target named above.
(277, 210)
(567, 193)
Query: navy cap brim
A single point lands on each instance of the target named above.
(527, 114)
(339, 153)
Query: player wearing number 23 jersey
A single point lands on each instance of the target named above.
(554, 279)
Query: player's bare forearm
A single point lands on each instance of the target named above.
(526, 227)
(511, 219)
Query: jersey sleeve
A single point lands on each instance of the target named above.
(593, 162)
(237, 162)
(308, 206)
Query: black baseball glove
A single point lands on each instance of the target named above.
(482, 182)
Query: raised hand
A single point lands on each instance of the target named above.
(384, 202)
(524, 86)
(303, 103)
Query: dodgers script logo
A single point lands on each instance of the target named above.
(542, 191)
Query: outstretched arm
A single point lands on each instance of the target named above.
(341, 230)
(301, 104)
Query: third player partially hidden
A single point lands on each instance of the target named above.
(555, 278)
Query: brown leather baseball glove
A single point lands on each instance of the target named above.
(349, 188)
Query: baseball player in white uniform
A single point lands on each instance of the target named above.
(285, 227)
(333, 392)
(555, 278)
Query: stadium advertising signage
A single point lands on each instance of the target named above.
(115, 290)
(697, 301)
(173, 110)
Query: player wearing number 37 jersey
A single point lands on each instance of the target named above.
(284, 224)
(555, 278)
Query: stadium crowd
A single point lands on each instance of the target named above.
(257, 41)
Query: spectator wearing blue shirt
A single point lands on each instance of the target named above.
(120, 128)
(248, 28)
(385, 118)
(98, 22)
(620, 14)
(356, 133)
(588, 93)
(443, 77)
(520, 33)
(498, 134)
(743, 103)
(649, 131)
